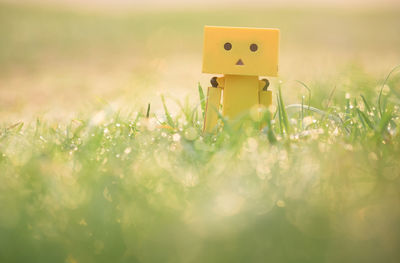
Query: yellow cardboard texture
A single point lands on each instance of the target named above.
(240, 94)
(265, 98)
(241, 51)
(242, 55)
(212, 108)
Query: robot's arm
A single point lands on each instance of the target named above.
(265, 95)
(213, 103)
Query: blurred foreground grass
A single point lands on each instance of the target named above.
(313, 186)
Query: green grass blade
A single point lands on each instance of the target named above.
(308, 89)
(202, 100)
(368, 108)
(331, 97)
(170, 121)
(383, 85)
(283, 112)
(268, 128)
(365, 121)
(279, 112)
(148, 111)
(384, 122)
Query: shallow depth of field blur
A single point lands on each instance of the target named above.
(102, 158)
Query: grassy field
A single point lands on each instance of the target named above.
(90, 174)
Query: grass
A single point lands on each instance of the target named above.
(315, 185)
(141, 183)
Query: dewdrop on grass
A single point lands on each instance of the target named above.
(280, 203)
(308, 120)
(191, 134)
(176, 137)
(98, 118)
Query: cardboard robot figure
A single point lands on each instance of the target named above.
(241, 55)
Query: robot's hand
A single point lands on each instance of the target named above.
(218, 82)
(214, 82)
(265, 88)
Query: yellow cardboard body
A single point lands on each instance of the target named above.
(212, 108)
(265, 98)
(240, 94)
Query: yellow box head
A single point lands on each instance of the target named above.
(241, 51)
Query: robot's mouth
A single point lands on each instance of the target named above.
(240, 62)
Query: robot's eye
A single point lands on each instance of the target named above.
(227, 46)
(253, 47)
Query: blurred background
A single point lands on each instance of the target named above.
(63, 57)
